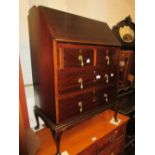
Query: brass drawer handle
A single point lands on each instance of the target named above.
(80, 58)
(106, 97)
(80, 104)
(107, 78)
(107, 59)
(80, 80)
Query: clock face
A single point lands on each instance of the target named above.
(126, 34)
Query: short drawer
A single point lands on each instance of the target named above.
(75, 80)
(75, 57)
(106, 57)
(109, 95)
(114, 149)
(106, 77)
(110, 139)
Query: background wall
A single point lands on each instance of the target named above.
(109, 11)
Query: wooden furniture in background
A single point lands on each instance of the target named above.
(96, 136)
(126, 58)
(126, 87)
(74, 67)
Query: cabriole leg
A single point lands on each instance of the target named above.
(37, 120)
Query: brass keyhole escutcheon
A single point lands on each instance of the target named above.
(80, 104)
(106, 97)
(80, 80)
(107, 78)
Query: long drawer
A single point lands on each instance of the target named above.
(74, 105)
(81, 79)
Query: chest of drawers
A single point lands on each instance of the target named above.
(74, 66)
(95, 136)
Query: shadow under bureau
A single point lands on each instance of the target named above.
(74, 67)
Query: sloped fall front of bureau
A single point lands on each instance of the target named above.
(74, 66)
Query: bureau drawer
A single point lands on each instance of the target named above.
(110, 139)
(75, 80)
(114, 149)
(106, 78)
(75, 57)
(109, 95)
(106, 57)
(74, 105)
(77, 104)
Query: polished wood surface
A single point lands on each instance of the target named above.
(79, 138)
(68, 27)
(42, 62)
(70, 57)
(68, 80)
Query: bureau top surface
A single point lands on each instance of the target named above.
(80, 136)
(68, 27)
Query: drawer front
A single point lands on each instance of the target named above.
(107, 57)
(89, 151)
(110, 139)
(114, 149)
(77, 104)
(78, 80)
(109, 95)
(106, 78)
(75, 57)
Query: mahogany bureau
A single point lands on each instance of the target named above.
(74, 66)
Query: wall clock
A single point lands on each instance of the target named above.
(125, 33)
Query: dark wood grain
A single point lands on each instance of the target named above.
(71, 57)
(69, 80)
(72, 28)
(115, 149)
(68, 107)
(110, 138)
(111, 52)
(42, 63)
(91, 150)
(110, 75)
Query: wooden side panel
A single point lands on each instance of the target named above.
(42, 63)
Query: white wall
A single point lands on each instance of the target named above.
(110, 11)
